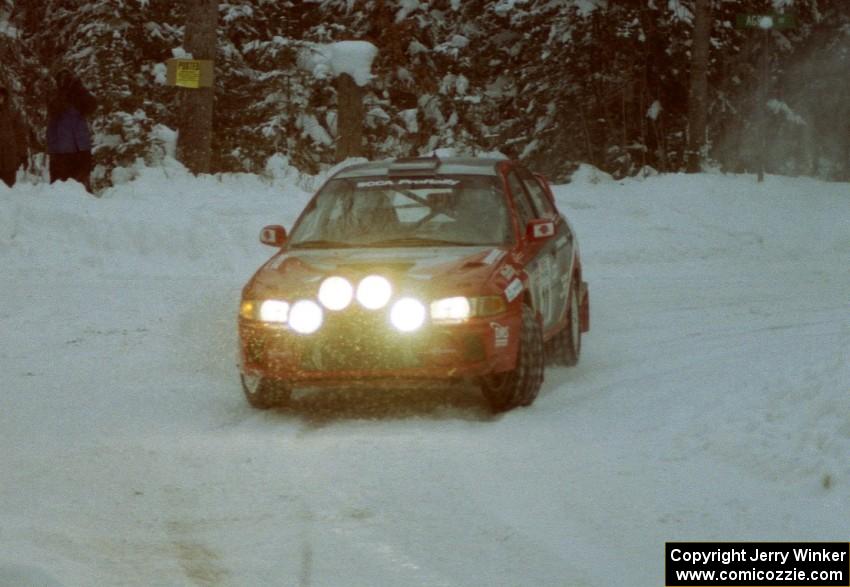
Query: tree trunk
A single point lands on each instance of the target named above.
(349, 121)
(194, 139)
(698, 98)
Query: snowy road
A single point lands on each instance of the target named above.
(712, 402)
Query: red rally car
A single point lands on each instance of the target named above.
(417, 272)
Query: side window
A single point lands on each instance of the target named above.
(538, 196)
(523, 205)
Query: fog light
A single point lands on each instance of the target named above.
(374, 292)
(305, 317)
(335, 293)
(407, 314)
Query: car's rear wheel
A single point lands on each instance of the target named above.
(520, 386)
(566, 345)
(264, 393)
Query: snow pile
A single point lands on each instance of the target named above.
(350, 57)
(200, 225)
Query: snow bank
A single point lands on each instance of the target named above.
(202, 225)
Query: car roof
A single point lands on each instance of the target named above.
(440, 166)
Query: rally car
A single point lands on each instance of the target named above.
(417, 272)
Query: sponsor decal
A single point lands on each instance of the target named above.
(507, 271)
(501, 334)
(493, 256)
(378, 183)
(544, 230)
(513, 290)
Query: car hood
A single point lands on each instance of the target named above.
(422, 270)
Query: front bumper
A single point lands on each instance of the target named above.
(357, 346)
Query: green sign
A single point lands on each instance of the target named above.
(766, 21)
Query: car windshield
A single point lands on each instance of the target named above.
(406, 211)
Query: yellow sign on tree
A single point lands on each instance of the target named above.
(190, 73)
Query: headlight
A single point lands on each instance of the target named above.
(335, 293)
(487, 305)
(268, 310)
(460, 308)
(305, 317)
(407, 314)
(374, 292)
(451, 309)
(274, 311)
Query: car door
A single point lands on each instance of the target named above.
(561, 250)
(543, 259)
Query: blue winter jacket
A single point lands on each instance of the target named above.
(68, 133)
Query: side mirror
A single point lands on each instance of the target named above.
(540, 229)
(273, 235)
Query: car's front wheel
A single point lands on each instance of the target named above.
(264, 393)
(520, 386)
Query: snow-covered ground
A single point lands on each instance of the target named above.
(712, 401)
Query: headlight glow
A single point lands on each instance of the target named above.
(305, 317)
(335, 293)
(374, 292)
(457, 308)
(274, 311)
(408, 314)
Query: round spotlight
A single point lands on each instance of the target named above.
(274, 311)
(305, 317)
(408, 314)
(335, 293)
(374, 292)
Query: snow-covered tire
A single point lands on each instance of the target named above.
(566, 345)
(264, 393)
(519, 387)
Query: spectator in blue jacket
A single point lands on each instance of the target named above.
(68, 137)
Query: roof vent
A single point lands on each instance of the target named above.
(414, 165)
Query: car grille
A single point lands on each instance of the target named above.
(359, 340)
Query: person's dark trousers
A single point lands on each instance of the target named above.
(76, 166)
(8, 178)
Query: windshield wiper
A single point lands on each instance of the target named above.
(417, 241)
(322, 244)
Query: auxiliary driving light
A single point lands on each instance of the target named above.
(407, 314)
(305, 317)
(335, 293)
(274, 311)
(374, 292)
